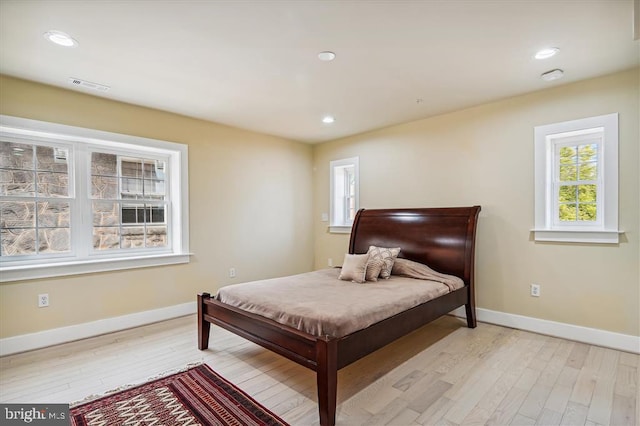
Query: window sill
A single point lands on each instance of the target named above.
(335, 229)
(577, 236)
(30, 272)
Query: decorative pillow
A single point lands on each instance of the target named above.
(354, 267)
(374, 266)
(387, 255)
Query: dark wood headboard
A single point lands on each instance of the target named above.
(442, 238)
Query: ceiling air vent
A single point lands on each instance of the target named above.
(88, 85)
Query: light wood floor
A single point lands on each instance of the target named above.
(442, 374)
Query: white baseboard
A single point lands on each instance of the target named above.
(56, 336)
(593, 336)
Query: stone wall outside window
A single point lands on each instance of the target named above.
(46, 210)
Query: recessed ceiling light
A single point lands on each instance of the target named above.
(546, 53)
(552, 75)
(328, 119)
(326, 56)
(60, 38)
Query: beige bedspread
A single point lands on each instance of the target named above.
(320, 304)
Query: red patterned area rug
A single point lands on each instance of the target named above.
(197, 396)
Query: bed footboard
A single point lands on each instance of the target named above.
(317, 354)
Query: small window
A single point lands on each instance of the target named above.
(576, 182)
(344, 194)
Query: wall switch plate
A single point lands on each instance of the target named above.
(330, 262)
(325, 217)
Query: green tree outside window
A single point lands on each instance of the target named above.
(577, 193)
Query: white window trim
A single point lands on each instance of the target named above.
(179, 189)
(337, 224)
(605, 231)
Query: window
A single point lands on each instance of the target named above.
(76, 200)
(576, 181)
(36, 199)
(129, 201)
(344, 194)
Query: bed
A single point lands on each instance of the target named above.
(442, 238)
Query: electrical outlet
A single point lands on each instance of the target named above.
(535, 290)
(232, 272)
(43, 300)
(330, 262)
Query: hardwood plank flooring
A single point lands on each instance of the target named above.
(442, 374)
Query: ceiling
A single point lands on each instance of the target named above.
(254, 64)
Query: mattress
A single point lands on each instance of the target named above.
(320, 304)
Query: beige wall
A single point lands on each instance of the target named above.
(241, 183)
(250, 209)
(484, 155)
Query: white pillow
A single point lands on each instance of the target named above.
(354, 267)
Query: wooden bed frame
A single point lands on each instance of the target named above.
(443, 238)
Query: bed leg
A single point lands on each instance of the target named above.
(327, 377)
(471, 315)
(203, 326)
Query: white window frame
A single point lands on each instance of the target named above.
(339, 222)
(83, 259)
(547, 139)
